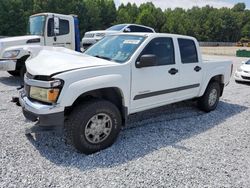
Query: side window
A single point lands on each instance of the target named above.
(146, 30)
(188, 51)
(50, 29)
(64, 27)
(163, 48)
(134, 28)
(63, 24)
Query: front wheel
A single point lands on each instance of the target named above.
(209, 101)
(93, 126)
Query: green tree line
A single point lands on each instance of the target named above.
(206, 23)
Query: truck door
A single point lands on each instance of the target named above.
(155, 85)
(64, 37)
(191, 69)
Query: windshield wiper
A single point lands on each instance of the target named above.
(103, 57)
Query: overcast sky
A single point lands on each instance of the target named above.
(187, 3)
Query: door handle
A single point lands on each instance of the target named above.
(173, 71)
(197, 68)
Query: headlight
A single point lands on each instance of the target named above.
(48, 95)
(11, 54)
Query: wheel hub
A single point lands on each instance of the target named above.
(98, 128)
(212, 97)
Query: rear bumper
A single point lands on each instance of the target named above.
(7, 65)
(44, 115)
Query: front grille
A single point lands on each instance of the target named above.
(100, 34)
(30, 76)
(27, 89)
(89, 35)
(245, 77)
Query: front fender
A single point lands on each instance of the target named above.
(24, 50)
(71, 92)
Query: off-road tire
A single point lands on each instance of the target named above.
(203, 102)
(77, 121)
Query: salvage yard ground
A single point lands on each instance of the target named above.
(176, 146)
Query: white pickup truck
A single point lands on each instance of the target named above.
(92, 94)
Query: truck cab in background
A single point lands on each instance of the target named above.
(91, 37)
(44, 29)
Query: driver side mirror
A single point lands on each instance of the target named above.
(56, 25)
(148, 60)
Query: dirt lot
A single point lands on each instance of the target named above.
(173, 146)
(229, 51)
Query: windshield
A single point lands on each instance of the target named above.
(116, 48)
(36, 25)
(248, 62)
(116, 27)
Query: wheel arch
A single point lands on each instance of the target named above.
(111, 94)
(216, 78)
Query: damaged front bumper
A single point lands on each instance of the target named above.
(48, 117)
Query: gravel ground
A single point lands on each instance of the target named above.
(172, 146)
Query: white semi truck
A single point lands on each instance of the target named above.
(45, 29)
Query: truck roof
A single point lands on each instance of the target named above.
(49, 13)
(133, 24)
(157, 35)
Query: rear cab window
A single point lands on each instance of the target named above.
(134, 28)
(188, 51)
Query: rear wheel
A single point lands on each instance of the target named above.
(210, 99)
(93, 126)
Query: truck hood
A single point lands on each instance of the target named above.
(17, 41)
(49, 61)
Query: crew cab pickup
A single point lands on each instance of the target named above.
(92, 94)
